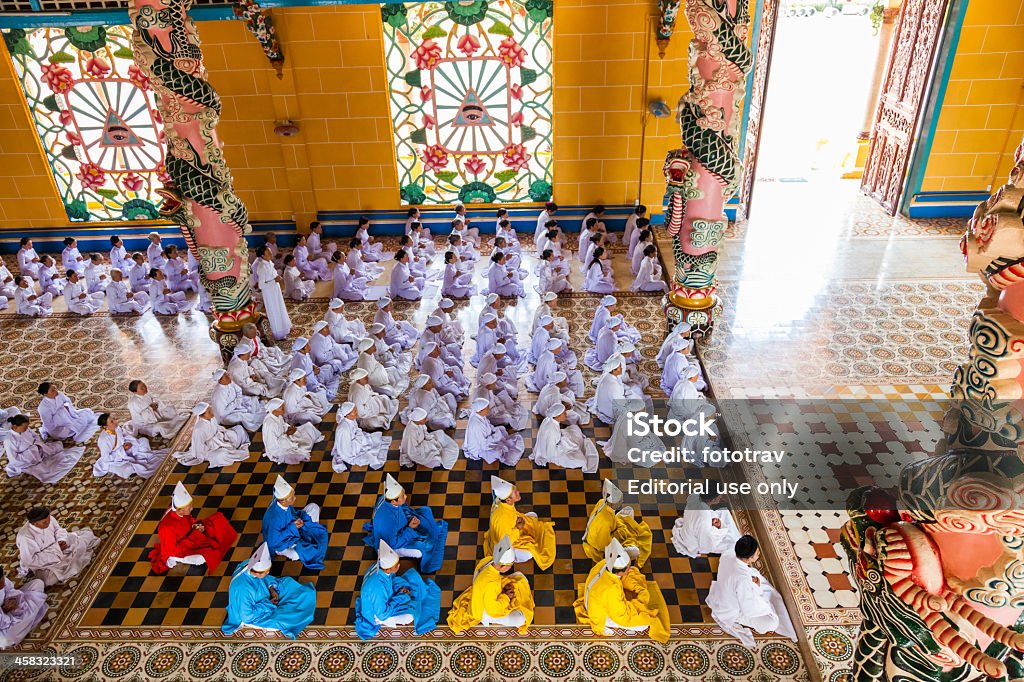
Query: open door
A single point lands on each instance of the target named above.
(907, 77)
(758, 90)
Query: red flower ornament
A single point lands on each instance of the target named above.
(132, 182)
(468, 45)
(475, 165)
(516, 91)
(428, 121)
(58, 78)
(97, 67)
(138, 79)
(514, 156)
(434, 158)
(427, 55)
(426, 94)
(517, 119)
(511, 52)
(91, 176)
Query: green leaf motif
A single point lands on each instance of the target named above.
(500, 29)
(17, 43)
(529, 133)
(506, 175)
(528, 76)
(446, 176)
(124, 53)
(418, 136)
(61, 57)
(108, 193)
(414, 78)
(50, 103)
(434, 31)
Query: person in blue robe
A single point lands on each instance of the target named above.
(411, 532)
(295, 533)
(389, 600)
(258, 599)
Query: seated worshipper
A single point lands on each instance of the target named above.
(346, 284)
(78, 299)
(513, 259)
(605, 310)
(316, 249)
(165, 301)
(138, 274)
(544, 330)
(594, 241)
(639, 251)
(422, 241)
(403, 284)
(453, 331)
(376, 410)
(184, 539)
(563, 444)
(531, 537)
(497, 596)
(390, 355)
(355, 447)
(484, 440)
(121, 300)
(642, 225)
(213, 442)
(552, 360)
(273, 358)
(20, 610)
(269, 284)
(302, 406)
(617, 596)
(505, 410)
(649, 276)
(118, 254)
(294, 533)
(679, 369)
(631, 222)
(599, 278)
(604, 523)
(612, 392)
(327, 352)
(440, 409)
(96, 279)
(544, 310)
(545, 216)
(232, 407)
(451, 351)
(389, 600)
(617, 447)
(373, 250)
(742, 599)
(587, 229)
(50, 281)
(456, 283)
(296, 288)
(360, 264)
(6, 415)
(314, 269)
(343, 330)
(284, 443)
(496, 362)
(679, 336)
(28, 259)
(51, 553)
(155, 251)
(257, 599)
(27, 302)
(606, 345)
(395, 331)
(150, 415)
(390, 381)
(502, 279)
(554, 275)
(317, 378)
(122, 454)
(707, 526)
(245, 376)
(178, 276)
(425, 447)
(412, 532)
(487, 336)
(448, 379)
(61, 419)
(7, 287)
(418, 262)
(557, 392)
(71, 258)
(27, 453)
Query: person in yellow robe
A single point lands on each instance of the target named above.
(616, 596)
(605, 523)
(531, 537)
(496, 597)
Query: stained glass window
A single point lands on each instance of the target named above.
(96, 118)
(470, 88)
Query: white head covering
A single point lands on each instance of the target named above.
(375, 328)
(556, 410)
(479, 404)
(281, 488)
(487, 378)
(218, 374)
(434, 321)
(610, 492)
(609, 300)
(296, 374)
(500, 487)
(626, 347)
(558, 377)
(180, 498)
(244, 346)
(392, 488)
(346, 407)
(550, 296)
(615, 556)
(492, 299)
(421, 381)
(299, 343)
(504, 553)
(383, 302)
(200, 408)
(499, 349)
(545, 320)
(335, 303)
(553, 343)
(614, 321)
(613, 362)
(431, 347)
(260, 559)
(319, 325)
(386, 557)
(488, 318)
(418, 414)
(690, 372)
(274, 404)
(358, 373)
(365, 345)
(446, 304)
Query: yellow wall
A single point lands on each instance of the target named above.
(982, 117)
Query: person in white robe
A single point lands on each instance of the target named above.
(95, 272)
(505, 410)
(151, 416)
(346, 284)
(273, 358)
(706, 527)
(488, 335)
(453, 330)
(395, 331)
(343, 330)
(546, 216)
(449, 379)
(557, 393)
(563, 444)
(232, 407)
(284, 443)
(609, 399)
(328, 352)
(605, 310)
(296, 286)
(644, 242)
(122, 454)
(20, 610)
(451, 352)
(27, 453)
(317, 377)
(679, 368)
(155, 251)
(551, 361)
(78, 299)
(355, 447)
(456, 283)
(553, 274)
(244, 376)
(212, 442)
(118, 254)
(314, 269)
(138, 274)
(487, 442)
(496, 362)
(6, 415)
(503, 279)
(618, 445)
(61, 419)
(50, 281)
(426, 447)
(165, 301)
(71, 258)
(313, 239)
(599, 278)
(28, 259)
(388, 354)
(376, 410)
(272, 378)
(387, 380)
(372, 249)
(741, 599)
(649, 276)
(269, 284)
(27, 302)
(302, 405)
(606, 345)
(544, 330)
(679, 336)
(631, 222)
(121, 299)
(440, 409)
(404, 284)
(359, 262)
(49, 552)
(544, 310)
(6, 284)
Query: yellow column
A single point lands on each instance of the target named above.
(293, 148)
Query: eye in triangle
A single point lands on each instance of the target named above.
(472, 112)
(116, 132)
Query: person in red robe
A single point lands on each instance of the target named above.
(183, 539)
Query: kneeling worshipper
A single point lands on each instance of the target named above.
(505, 410)
(679, 336)
(272, 357)
(563, 444)
(78, 298)
(556, 393)
(440, 409)
(124, 455)
(213, 442)
(328, 352)
(20, 610)
(61, 419)
(544, 310)
(606, 346)
(496, 362)
(375, 410)
(317, 378)
(604, 523)
(706, 527)
(301, 405)
(617, 447)
(497, 596)
(425, 447)
(27, 453)
(257, 599)
(234, 408)
(244, 375)
(390, 355)
(601, 315)
(395, 331)
(531, 537)
(51, 553)
(389, 600)
(294, 533)
(679, 368)
(483, 440)
(451, 350)
(549, 362)
(617, 596)
(412, 532)
(355, 447)
(150, 415)
(742, 599)
(448, 379)
(612, 392)
(284, 443)
(343, 330)
(121, 299)
(390, 381)
(273, 379)
(184, 539)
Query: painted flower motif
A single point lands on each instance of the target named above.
(97, 67)
(426, 94)
(511, 52)
(139, 79)
(65, 117)
(466, 12)
(468, 45)
(514, 156)
(413, 194)
(57, 77)
(139, 209)
(132, 182)
(73, 137)
(475, 165)
(435, 157)
(477, 193)
(427, 55)
(91, 176)
(428, 121)
(517, 119)
(516, 91)
(86, 38)
(540, 190)
(162, 175)
(77, 210)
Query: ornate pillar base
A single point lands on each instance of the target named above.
(226, 333)
(701, 314)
